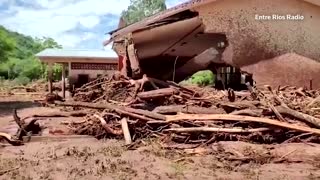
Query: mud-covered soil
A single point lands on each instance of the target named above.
(88, 158)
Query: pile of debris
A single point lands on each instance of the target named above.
(137, 109)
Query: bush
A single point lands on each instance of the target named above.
(21, 80)
(201, 78)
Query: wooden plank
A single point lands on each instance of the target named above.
(125, 130)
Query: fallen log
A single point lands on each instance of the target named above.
(59, 114)
(10, 140)
(186, 110)
(157, 93)
(298, 115)
(174, 85)
(249, 112)
(213, 129)
(140, 117)
(120, 109)
(228, 117)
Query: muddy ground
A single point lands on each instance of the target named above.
(87, 158)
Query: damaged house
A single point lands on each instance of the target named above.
(228, 37)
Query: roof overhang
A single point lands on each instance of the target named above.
(50, 59)
(150, 21)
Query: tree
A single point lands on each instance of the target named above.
(140, 9)
(7, 44)
(44, 43)
(17, 56)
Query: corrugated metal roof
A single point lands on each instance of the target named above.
(75, 53)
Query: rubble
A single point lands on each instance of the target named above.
(154, 108)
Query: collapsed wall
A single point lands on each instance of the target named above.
(184, 41)
(289, 69)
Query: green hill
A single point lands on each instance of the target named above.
(17, 56)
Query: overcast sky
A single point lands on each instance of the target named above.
(72, 23)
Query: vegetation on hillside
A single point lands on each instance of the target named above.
(17, 57)
(140, 9)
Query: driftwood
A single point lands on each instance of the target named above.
(11, 140)
(301, 116)
(157, 93)
(125, 130)
(227, 117)
(186, 110)
(212, 129)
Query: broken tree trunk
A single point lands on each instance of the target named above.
(186, 110)
(227, 117)
(157, 93)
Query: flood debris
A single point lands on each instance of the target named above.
(148, 107)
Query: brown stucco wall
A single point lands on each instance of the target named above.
(289, 69)
(253, 40)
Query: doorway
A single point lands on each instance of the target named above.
(82, 79)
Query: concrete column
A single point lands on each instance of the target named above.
(64, 80)
(50, 77)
